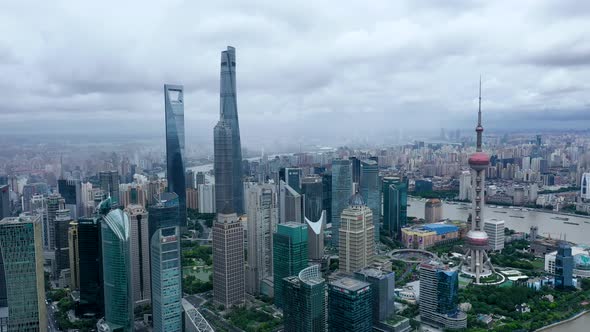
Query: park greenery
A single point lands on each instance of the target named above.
(501, 301)
(192, 285)
(253, 320)
(192, 252)
(513, 256)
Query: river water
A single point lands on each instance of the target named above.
(518, 220)
(580, 324)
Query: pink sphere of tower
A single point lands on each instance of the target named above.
(479, 160)
(477, 238)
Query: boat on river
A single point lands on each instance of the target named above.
(517, 217)
(561, 218)
(500, 211)
(571, 223)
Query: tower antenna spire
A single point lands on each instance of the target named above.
(479, 128)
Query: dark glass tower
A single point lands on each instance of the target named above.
(306, 308)
(341, 192)
(90, 267)
(109, 184)
(350, 306)
(228, 130)
(174, 105)
(370, 190)
(564, 266)
(395, 205)
(289, 255)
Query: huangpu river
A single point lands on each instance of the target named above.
(575, 229)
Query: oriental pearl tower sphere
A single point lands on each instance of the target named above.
(477, 262)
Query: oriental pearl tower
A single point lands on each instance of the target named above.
(477, 263)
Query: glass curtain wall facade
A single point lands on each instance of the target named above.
(22, 268)
(350, 306)
(306, 309)
(395, 205)
(90, 266)
(369, 185)
(109, 184)
(118, 297)
(166, 275)
(175, 166)
(229, 115)
(341, 192)
(289, 255)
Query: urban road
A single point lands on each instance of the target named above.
(51, 322)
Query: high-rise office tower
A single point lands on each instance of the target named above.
(477, 262)
(140, 260)
(71, 191)
(290, 204)
(109, 184)
(306, 308)
(356, 169)
(315, 216)
(175, 166)
(228, 260)
(190, 179)
(54, 202)
(350, 306)
(206, 197)
(4, 202)
(585, 186)
(200, 178)
(371, 190)
(61, 250)
(132, 193)
(74, 256)
(465, 185)
(192, 198)
(433, 210)
(439, 287)
(495, 230)
(22, 271)
(395, 205)
(327, 195)
(382, 286)
(292, 177)
(31, 189)
(223, 168)
(289, 255)
(166, 274)
(341, 192)
(564, 266)
(357, 245)
(312, 190)
(90, 266)
(262, 213)
(228, 148)
(116, 266)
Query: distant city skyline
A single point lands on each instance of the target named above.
(534, 72)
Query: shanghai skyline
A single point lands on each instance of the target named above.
(321, 65)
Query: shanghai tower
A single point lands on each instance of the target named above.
(229, 189)
(174, 107)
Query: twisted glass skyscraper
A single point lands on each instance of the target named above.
(174, 104)
(228, 148)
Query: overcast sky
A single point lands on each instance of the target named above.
(304, 68)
